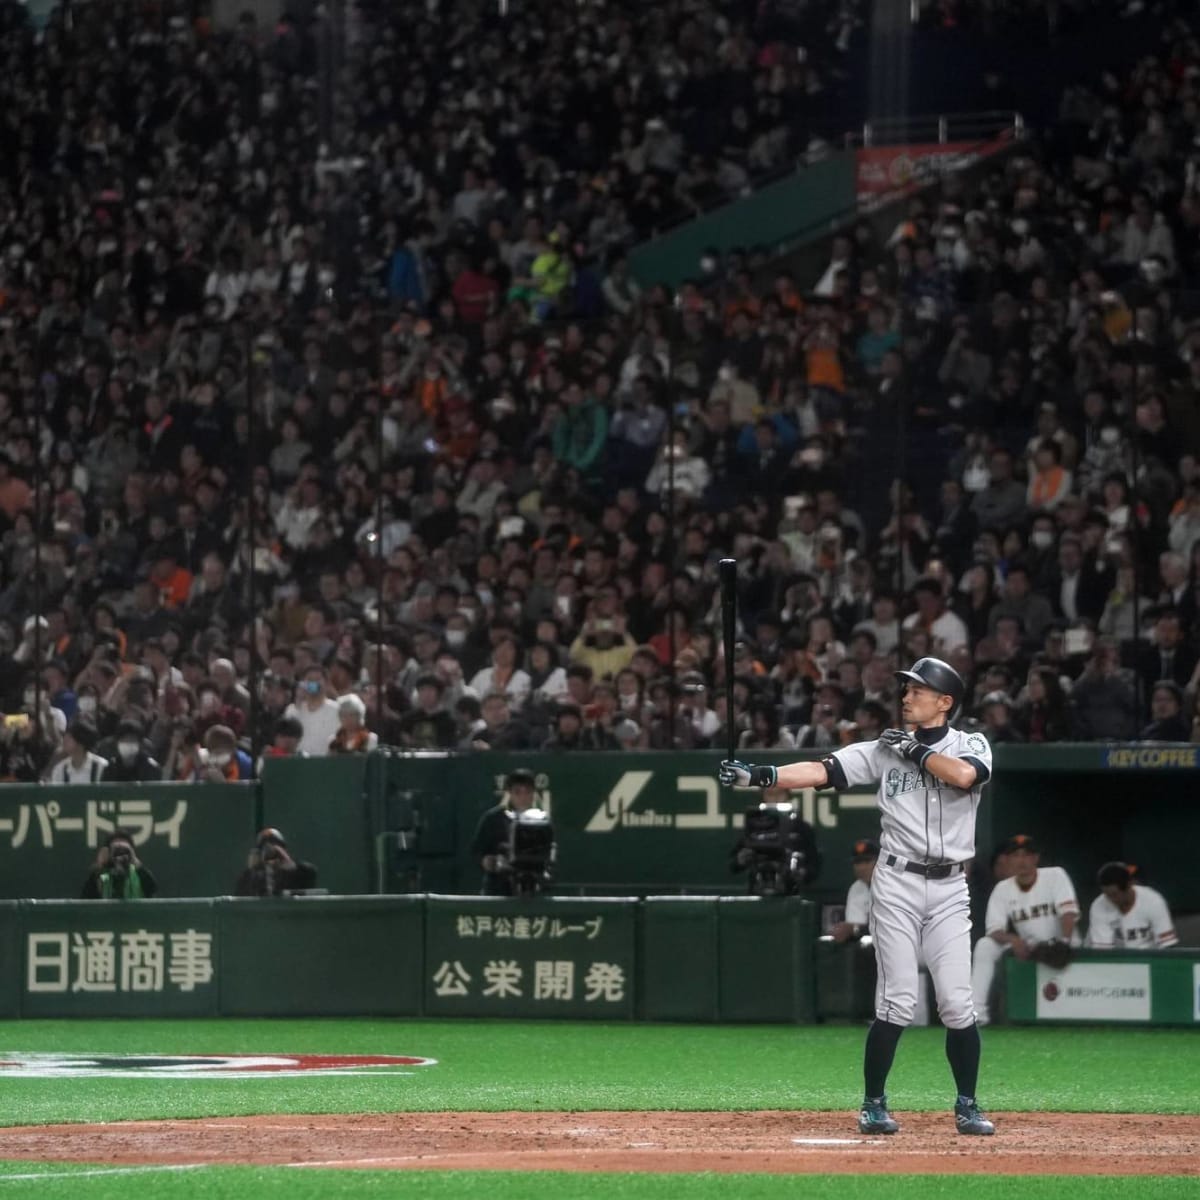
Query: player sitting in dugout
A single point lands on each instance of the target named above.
(1128, 915)
(1031, 914)
(857, 917)
(119, 874)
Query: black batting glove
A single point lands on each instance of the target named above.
(907, 745)
(732, 773)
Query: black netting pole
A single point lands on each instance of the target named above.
(255, 672)
(379, 556)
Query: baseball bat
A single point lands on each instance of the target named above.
(727, 573)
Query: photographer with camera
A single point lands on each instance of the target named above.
(514, 842)
(119, 874)
(272, 871)
(778, 847)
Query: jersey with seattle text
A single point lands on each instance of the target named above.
(1035, 915)
(920, 817)
(1146, 926)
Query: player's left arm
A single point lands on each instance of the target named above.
(961, 773)
(970, 766)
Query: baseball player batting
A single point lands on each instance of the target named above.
(929, 785)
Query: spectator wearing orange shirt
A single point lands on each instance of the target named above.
(173, 582)
(822, 358)
(1050, 480)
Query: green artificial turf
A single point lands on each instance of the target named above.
(495, 1065)
(266, 1183)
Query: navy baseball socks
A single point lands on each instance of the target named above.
(882, 1039)
(962, 1049)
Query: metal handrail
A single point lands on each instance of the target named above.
(936, 127)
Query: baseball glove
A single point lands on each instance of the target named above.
(1054, 953)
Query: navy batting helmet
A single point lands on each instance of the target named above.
(933, 673)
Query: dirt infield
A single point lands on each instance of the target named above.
(776, 1142)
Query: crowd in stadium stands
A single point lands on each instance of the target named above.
(456, 379)
(1028, 18)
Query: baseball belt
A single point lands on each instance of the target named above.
(927, 870)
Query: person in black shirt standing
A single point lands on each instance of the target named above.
(492, 836)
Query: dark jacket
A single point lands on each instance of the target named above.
(1152, 665)
(1104, 708)
(492, 837)
(263, 881)
(143, 769)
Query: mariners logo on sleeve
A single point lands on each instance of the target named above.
(976, 744)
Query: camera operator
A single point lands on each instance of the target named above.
(778, 847)
(271, 870)
(496, 840)
(119, 874)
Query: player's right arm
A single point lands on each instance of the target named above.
(995, 921)
(803, 775)
(848, 767)
(1065, 902)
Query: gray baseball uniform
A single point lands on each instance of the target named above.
(915, 915)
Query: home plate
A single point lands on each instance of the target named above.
(828, 1141)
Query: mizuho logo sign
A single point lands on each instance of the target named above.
(625, 808)
(618, 806)
(202, 1066)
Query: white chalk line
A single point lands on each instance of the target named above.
(827, 1141)
(92, 1172)
(434, 1157)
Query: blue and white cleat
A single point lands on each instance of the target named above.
(875, 1118)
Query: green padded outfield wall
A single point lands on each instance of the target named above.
(113, 958)
(489, 957)
(680, 959)
(194, 837)
(802, 206)
(10, 959)
(765, 965)
(321, 956)
(708, 959)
